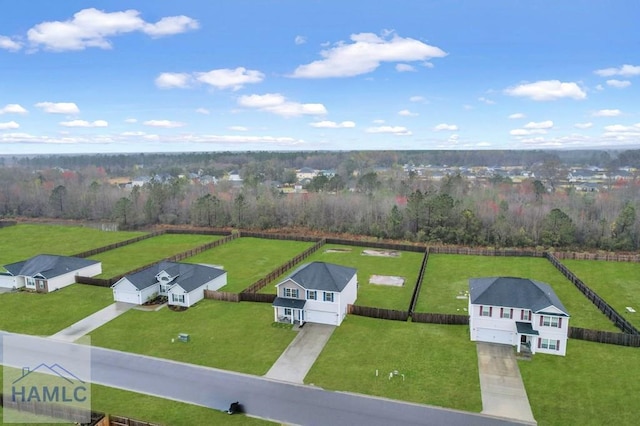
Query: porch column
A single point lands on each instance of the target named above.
(275, 314)
(292, 315)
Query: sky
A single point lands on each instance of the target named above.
(85, 76)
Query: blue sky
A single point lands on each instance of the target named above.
(149, 76)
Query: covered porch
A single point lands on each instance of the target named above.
(526, 335)
(288, 310)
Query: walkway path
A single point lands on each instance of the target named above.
(93, 321)
(296, 361)
(503, 393)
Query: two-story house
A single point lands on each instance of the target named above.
(316, 292)
(518, 312)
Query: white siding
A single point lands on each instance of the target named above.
(8, 281)
(176, 290)
(124, 291)
(69, 278)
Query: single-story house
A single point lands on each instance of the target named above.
(182, 283)
(518, 312)
(316, 292)
(47, 272)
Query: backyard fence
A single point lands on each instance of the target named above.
(608, 257)
(125, 421)
(418, 286)
(387, 314)
(262, 282)
(432, 318)
(57, 411)
(227, 296)
(485, 251)
(5, 223)
(99, 250)
(600, 303)
(378, 245)
(599, 336)
(98, 282)
(287, 237)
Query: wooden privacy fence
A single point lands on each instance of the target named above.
(262, 282)
(431, 318)
(125, 421)
(287, 237)
(485, 252)
(52, 410)
(378, 245)
(599, 336)
(418, 286)
(99, 250)
(5, 223)
(98, 282)
(600, 303)
(387, 314)
(609, 257)
(239, 297)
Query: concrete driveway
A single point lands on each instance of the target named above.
(296, 361)
(503, 393)
(93, 321)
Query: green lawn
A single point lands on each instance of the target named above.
(232, 336)
(407, 265)
(439, 362)
(447, 275)
(21, 242)
(48, 313)
(616, 282)
(132, 256)
(595, 384)
(246, 260)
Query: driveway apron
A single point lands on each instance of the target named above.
(93, 321)
(503, 393)
(296, 361)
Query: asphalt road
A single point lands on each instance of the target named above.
(261, 397)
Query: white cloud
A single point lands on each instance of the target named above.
(278, 104)
(407, 113)
(239, 128)
(167, 124)
(13, 109)
(333, 125)
(59, 107)
(607, 113)
(378, 121)
(583, 125)
(9, 125)
(131, 120)
(620, 128)
(527, 132)
(417, 99)
(170, 80)
(539, 125)
(445, 126)
(599, 87)
(396, 130)
(93, 28)
(365, 53)
(229, 78)
(203, 111)
(625, 71)
(405, 68)
(516, 116)
(486, 101)
(84, 123)
(9, 44)
(619, 84)
(300, 40)
(547, 90)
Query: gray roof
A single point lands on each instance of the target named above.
(48, 265)
(323, 276)
(514, 293)
(284, 302)
(188, 275)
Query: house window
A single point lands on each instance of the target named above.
(526, 315)
(291, 292)
(31, 282)
(550, 321)
(164, 288)
(328, 296)
(551, 344)
(287, 311)
(41, 284)
(312, 295)
(505, 313)
(178, 298)
(485, 311)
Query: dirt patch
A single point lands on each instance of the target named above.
(177, 308)
(387, 280)
(337, 250)
(381, 253)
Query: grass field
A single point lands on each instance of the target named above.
(595, 384)
(46, 314)
(407, 265)
(447, 275)
(439, 362)
(129, 257)
(21, 242)
(616, 282)
(246, 260)
(232, 336)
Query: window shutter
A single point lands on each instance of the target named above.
(539, 342)
(501, 312)
(521, 314)
(558, 345)
(560, 322)
(490, 311)
(480, 310)
(511, 313)
(540, 319)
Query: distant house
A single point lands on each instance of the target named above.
(47, 272)
(519, 312)
(306, 173)
(182, 283)
(316, 292)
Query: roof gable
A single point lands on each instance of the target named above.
(48, 266)
(322, 276)
(188, 275)
(514, 293)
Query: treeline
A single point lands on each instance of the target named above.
(392, 205)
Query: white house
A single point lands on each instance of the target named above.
(518, 312)
(316, 292)
(182, 283)
(47, 272)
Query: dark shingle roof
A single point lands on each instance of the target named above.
(513, 292)
(323, 276)
(283, 302)
(188, 275)
(48, 265)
